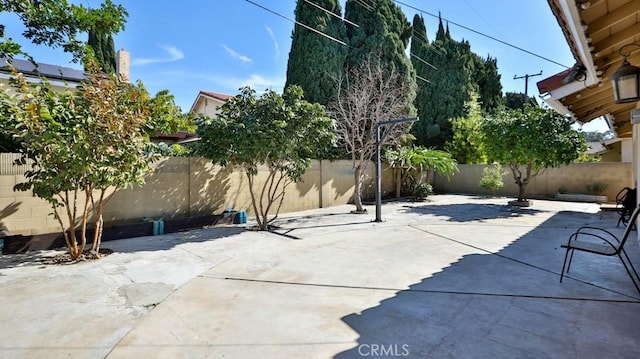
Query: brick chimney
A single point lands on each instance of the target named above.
(122, 64)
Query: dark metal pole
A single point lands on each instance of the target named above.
(378, 176)
(379, 141)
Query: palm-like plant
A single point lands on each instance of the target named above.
(415, 164)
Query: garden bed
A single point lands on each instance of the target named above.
(578, 197)
(25, 243)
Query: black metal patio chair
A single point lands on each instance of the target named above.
(625, 204)
(602, 242)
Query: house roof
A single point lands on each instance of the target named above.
(596, 148)
(215, 95)
(595, 31)
(210, 95)
(51, 72)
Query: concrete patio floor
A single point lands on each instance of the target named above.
(456, 276)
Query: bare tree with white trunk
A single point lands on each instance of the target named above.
(370, 93)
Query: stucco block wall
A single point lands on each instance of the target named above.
(181, 187)
(573, 177)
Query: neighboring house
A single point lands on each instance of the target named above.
(618, 150)
(596, 149)
(611, 150)
(207, 103)
(180, 137)
(58, 76)
(64, 77)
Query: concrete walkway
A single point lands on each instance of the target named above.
(454, 277)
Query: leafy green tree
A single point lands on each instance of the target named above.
(369, 94)
(518, 100)
(530, 140)
(281, 132)
(382, 29)
(415, 164)
(57, 23)
(315, 60)
(466, 146)
(166, 116)
(82, 144)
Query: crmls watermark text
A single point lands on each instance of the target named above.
(383, 350)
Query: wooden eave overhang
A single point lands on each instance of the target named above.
(595, 30)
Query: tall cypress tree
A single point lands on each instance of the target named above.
(109, 52)
(314, 60)
(384, 31)
(489, 86)
(451, 85)
(421, 58)
(103, 50)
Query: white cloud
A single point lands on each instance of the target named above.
(231, 84)
(255, 81)
(174, 54)
(275, 42)
(236, 55)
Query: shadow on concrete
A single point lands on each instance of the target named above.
(286, 226)
(7, 211)
(466, 212)
(31, 259)
(509, 303)
(168, 241)
(129, 245)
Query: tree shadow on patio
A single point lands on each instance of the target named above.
(467, 212)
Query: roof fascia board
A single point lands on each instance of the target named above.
(566, 90)
(558, 106)
(572, 15)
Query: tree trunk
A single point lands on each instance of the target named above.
(261, 224)
(357, 191)
(521, 187)
(398, 182)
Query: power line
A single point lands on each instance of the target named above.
(332, 38)
(483, 34)
(331, 13)
(365, 4)
(301, 24)
(423, 61)
(483, 19)
(423, 79)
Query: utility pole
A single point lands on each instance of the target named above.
(526, 81)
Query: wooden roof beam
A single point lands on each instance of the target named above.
(605, 99)
(587, 93)
(618, 39)
(627, 10)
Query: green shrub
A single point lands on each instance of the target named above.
(596, 188)
(422, 190)
(492, 178)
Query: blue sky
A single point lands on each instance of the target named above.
(220, 45)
